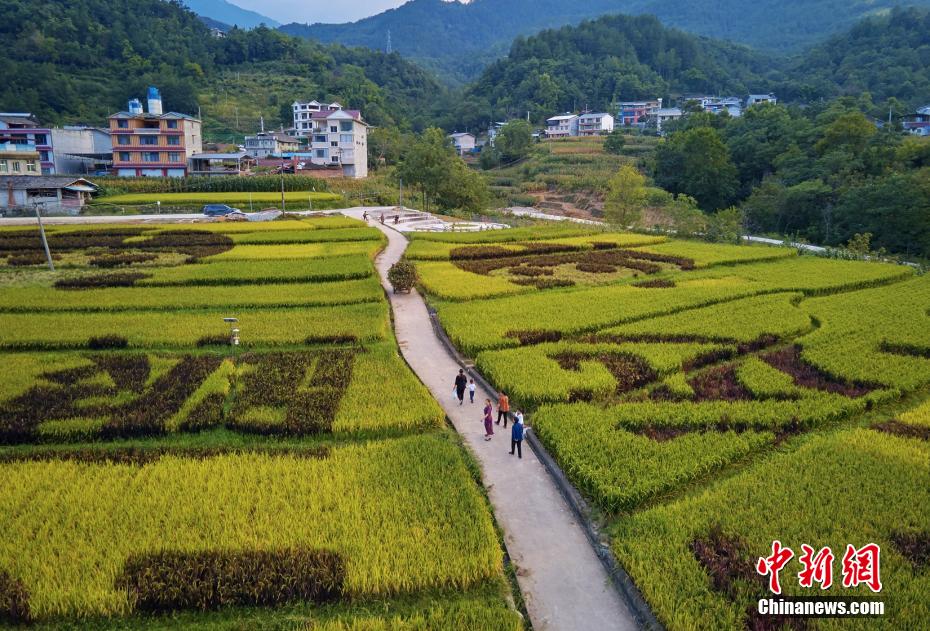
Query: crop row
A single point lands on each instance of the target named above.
(404, 515)
(307, 236)
(621, 468)
(711, 254)
(480, 325)
(537, 374)
(333, 268)
(800, 497)
(147, 329)
(113, 299)
(439, 251)
(258, 197)
(297, 251)
(534, 233)
(744, 320)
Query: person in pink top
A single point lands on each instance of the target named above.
(488, 421)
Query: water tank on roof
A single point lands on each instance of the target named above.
(154, 99)
(135, 106)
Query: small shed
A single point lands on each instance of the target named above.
(54, 193)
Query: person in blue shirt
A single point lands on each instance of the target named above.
(516, 435)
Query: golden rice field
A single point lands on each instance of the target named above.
(157, 475)
(709, 399)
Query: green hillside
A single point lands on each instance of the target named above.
(79, 61)
(458, 39)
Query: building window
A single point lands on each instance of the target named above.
(17, 166)
(347, 138)
(175, 141)
(148, 140)
(333, 143)
(31, 167)
(172, 124)
(321, 153)
(41, 139)
(335, 158)
(124, 156)
(122, 140)
(345, 126)
(150, 156)
(122, 123)
(333, 129)
(43, 156)
(4, 166)
(174, 156)
(319, 139)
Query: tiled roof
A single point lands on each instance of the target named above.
(23, 182)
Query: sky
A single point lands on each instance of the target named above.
(285, 11)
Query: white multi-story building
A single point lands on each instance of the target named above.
(339, 138)
(463, 142)
(595, 124)
(303, 113)
(562, 126)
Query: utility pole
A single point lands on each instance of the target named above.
(283, 207)
(48, 254)
(401, 200)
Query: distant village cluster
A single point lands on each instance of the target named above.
(652, 115)
(37, 163)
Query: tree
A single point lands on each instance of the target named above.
(697, 162)
(615, 142)
(463, 189)
(626, 196)
(725, 226)
(514, 140)
(432, 164)
(428, 162)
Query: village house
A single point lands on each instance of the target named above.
(16, 159)
(758, 99)
(21, 131)
(562, 126)
(595, 124)
(918, 123)
(270, 144)
(50, 193)
(153, 143)
(633, 113)
(463, 142)
(303, 115)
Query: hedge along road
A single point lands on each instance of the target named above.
(563, 582)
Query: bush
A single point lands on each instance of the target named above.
(14, 600)
(102, 342)
(402, 276)
(122, 279)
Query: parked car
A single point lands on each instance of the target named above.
(218, 210)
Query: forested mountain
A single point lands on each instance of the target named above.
(887, 56)
(607, 60)
(80, 60)
(614, 58)
(459, 39)
(228, 13)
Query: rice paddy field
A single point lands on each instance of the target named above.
(156, 475)
(710, 399)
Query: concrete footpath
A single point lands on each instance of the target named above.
(563, 582)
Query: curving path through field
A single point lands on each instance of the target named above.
(563, 581)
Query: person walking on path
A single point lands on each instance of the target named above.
(471, 390)
(488, 424)
(516, 436)
(503, 408)
(460, 384)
